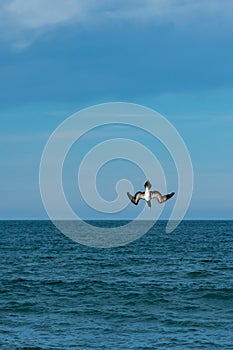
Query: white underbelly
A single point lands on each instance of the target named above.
(147, 196)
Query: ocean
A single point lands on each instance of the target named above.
(162, 291)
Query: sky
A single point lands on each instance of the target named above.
(172, 56)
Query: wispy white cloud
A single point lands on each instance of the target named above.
(22, 21)
(36, 14)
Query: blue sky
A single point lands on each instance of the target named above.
(173, 56)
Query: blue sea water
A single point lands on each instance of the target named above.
(163, 291)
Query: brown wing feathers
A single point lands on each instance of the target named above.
(136, 198)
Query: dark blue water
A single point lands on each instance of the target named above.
(164, 291)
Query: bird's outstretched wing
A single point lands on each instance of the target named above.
(160, 198)
(136, 198)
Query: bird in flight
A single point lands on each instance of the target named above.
(148, 195)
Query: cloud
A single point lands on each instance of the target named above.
(23, 21)
(36, 14)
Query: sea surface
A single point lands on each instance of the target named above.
(163, 291)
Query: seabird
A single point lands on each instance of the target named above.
(148, 195)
